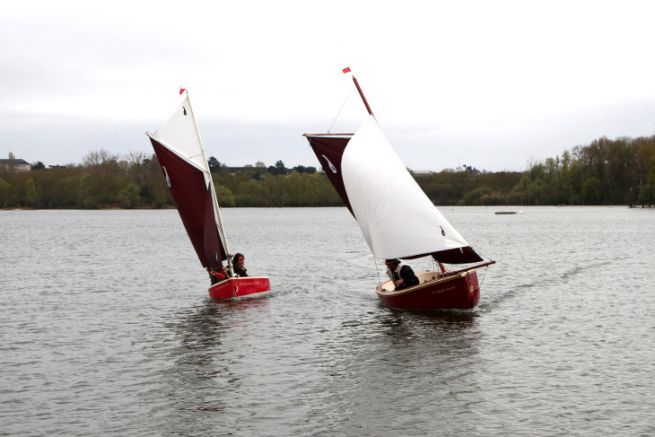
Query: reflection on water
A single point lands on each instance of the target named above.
(561, 343)
(201, 373)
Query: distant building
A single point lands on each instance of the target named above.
(15, 164)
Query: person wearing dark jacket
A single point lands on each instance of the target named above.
(239, 265)
(401, 274)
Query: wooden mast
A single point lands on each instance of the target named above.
(217, 210)
(361, 94)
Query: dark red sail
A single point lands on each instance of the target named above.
(329, 150)
(193, 199)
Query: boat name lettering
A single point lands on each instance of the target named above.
(441, 290)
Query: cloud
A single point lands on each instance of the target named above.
(473, 75)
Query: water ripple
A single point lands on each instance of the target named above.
(115, 334)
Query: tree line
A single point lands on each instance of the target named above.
(105, 180)
(606, 172)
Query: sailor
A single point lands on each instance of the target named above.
(217, 274)
(239, 265)
(401, 274)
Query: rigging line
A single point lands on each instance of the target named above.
(484, 275)
(340, 109)
(377, 271)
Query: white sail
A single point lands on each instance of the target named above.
(179, 133)
(394, 214)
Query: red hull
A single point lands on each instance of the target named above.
(460, 291)
(240, 288)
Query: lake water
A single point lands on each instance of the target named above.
(106, 329)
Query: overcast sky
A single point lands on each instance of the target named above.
(493, 84)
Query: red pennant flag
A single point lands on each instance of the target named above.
(182, 90)
(346, 70)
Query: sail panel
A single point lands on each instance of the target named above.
(396, 217)
(464, 255)
(215, 252)
(179, 133)
(192, 197)
(329, 151)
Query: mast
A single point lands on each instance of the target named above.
(361, 94)
(217, 210)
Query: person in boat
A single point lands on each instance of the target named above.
(217, 274)
(401, 274)
(239, 265)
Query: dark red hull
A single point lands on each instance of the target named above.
(240, 288)
(460, 291)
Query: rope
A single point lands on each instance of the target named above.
(377, 271)
(484, 275)
(340, 109)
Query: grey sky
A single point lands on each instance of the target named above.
(490, 84)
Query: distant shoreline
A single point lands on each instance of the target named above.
(606, 172)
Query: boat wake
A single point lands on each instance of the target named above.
(573, 271)
(543, 281)
(518, 290)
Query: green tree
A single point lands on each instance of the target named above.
(225, 196)
(475, 196)
(129, 196)
(5, 188)
(214, 164)
(85, 194)
(591, 191)
(31, 193)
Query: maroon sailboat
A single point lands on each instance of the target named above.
(397, 219)
(183, 161)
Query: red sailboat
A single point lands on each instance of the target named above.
(184, 165)
(397, 219)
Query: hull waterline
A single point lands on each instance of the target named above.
(250, 287)
(456, 292)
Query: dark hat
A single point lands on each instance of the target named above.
(392, 260)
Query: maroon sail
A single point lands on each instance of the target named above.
(193, 199)
(329, 150)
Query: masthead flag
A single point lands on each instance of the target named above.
(182, 90)
(346, 70)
